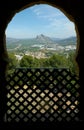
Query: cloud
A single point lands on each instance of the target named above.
(37, 11)
(41, 19)
(46, 11)
(55, 22)
(51, 14)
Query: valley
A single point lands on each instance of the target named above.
(41, 46)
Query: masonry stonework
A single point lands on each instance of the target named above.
(73, 9)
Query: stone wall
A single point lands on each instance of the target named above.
(73, 9)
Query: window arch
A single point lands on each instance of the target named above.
(23, 6)
(48, 91)
(48, 29)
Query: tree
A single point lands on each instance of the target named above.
(72, 63)
(13, 62)
(58, 60)
(27, 61)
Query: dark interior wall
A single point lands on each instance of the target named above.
(73, 9)
(8, 9)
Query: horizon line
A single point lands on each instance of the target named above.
(38, 35)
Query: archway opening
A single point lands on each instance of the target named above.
(37, 92)
(44, 35)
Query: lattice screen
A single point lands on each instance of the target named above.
(42, 95)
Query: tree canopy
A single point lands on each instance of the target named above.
(55, 60)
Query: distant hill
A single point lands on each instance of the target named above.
(40, 42)
(67, 41)
(11, 40)
(42, 39)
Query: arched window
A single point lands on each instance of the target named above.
(44, 35)
(27, 98)
(37, 93)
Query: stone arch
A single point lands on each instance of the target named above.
(72, 9)
(59, 5)
(70, 17)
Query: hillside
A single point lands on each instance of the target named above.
(67, 41)
(40, 42)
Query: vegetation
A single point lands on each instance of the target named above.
(42, 51)
(52, 58)
(13, 62)
(55, 60)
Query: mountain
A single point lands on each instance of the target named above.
(10, 40)
(41, 42)
(67, 41)
(43, 39)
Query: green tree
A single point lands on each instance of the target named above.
(27, 61)
(36, 63)
(58, 60)
(72, 63)
(44, 62)
(13, 62)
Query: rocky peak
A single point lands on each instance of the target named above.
(43, 39)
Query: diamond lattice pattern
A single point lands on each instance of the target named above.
(42, 95)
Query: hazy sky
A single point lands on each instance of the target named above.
(40, 19)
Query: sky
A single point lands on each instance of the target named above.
(40, 19)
